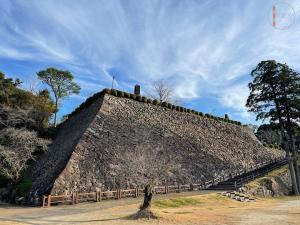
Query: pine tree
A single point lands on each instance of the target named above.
(61, 83)
(275, 95)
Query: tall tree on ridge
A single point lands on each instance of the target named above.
(61, 83)
(275, 95)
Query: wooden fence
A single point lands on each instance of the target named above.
(98, 196)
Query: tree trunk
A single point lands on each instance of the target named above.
(287, 148)
(297, 173)
(295, 162)
(147, 197)
(293, 178)
(55, 113)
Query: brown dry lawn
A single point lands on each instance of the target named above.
(208, 209)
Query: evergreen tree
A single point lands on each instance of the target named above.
(61, 83)
(275, 95)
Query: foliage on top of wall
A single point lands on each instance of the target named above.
(143, 99)
(272, 146)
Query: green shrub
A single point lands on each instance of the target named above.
(133, 96)
(3, 181)
(139, 98)
(126, 95)
(114, 92)
(149, 100)
(200, 113)
(164, 104)
(107, 91)
(23, 188)
(120, 94)
(144, 99)
(155, 102)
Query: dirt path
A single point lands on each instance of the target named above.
(34, 215)
(209, 209)
(283, 213)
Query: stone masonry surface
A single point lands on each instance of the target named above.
(91, 143)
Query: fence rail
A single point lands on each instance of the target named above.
(98, 196)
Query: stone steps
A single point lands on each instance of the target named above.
(238, 196)
(239, 181)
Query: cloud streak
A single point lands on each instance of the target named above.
(202, 48)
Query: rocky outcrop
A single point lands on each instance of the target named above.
(276, 183)
(114, 132)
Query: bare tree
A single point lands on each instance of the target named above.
(147, 166)
(17, 146)
(163, 92)
(15, 117)
(32, 84)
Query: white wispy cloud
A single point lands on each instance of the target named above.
(200, 47)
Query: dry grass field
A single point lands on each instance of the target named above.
(208, 209)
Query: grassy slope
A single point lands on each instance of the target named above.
(275, 173)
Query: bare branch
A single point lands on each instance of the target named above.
(17, 146)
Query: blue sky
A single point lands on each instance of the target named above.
(204, 49)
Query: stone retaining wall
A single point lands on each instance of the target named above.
(89, 148)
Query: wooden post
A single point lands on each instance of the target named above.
(136, 192)
(100, 196)
(178, 188)
(118, 193)
(43, 203)
(191, 187)
(96, 194)
(166, 189)
(73, 198)
(76, 198)
(49, 201)
(44, 200)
